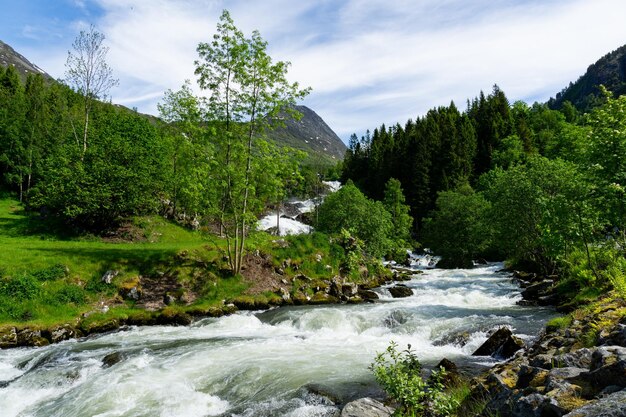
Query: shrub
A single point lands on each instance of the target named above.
(71, 294)
(21, 287)
(399, 374)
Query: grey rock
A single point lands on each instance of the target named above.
(366, 407)
(108, 276)
(536, 405)
(368, 295)
(613, 405)
(111, 359)
(8, 338)
(580, 358)
(605, 355)
(400, 291)
(501, 344)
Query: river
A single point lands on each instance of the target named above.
(259, 364)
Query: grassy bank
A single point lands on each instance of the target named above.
(164, 273)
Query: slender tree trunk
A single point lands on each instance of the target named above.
(278, 219)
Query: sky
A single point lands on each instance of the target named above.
(368, 62)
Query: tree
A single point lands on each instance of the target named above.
(458, 230)
(351, 210)
(394, 203)
(246, 90)
(88, 73)
(540, 211)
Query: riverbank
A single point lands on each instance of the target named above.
(577, 367)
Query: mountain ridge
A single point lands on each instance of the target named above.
(584, 94)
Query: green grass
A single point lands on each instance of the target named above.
(559, 323)
(48, 276)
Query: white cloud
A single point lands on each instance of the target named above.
(370, 61)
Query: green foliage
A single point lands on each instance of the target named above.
(246, 90)
(367, 220)
(399, 374)
(51, 273)
(559, 323)
(71, 294)
(540, 210)
(458, 230)
(20, 287)
(394, 203)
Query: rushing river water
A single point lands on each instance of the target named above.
(262, 364)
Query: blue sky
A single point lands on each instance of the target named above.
(368, 61)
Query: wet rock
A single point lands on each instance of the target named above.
(452, 375)
(322, 391)
(541, 289)
(349, 289)
(174, 318)
(29, 337)
(108, 276)
(99, 326)
(8, 337)
(284, 295)
(61, 333)
(323, 298)
(111, 359)
(400, 291)
(459, 339)
(368, 295)
(501, 344)
(366, 407)
(613, 405)
(169, 299)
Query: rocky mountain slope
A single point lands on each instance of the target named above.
(610, 71)
(8, 56)
(310, 134)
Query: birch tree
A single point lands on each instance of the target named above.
(246, 89)
(89, 74)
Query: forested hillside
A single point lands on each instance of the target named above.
(584, 94)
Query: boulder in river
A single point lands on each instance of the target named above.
(366, 407)
(501, 344)
(400, 291)
(368, 295)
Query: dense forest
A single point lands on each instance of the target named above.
(540, 187)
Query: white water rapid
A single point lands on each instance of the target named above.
(273, 363)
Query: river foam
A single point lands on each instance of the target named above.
(255, 364)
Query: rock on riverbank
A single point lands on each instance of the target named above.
(578, 370)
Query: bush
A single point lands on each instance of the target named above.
(399, 374)
(71, 294)
(22, 287)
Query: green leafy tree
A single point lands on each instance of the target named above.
(246, 90)
(540, 211)
(394, 203)
(351, 210)
(458, 230)
(190, 152)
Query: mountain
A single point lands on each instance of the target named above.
(610, 71)
(310, 134)
(8, 56)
